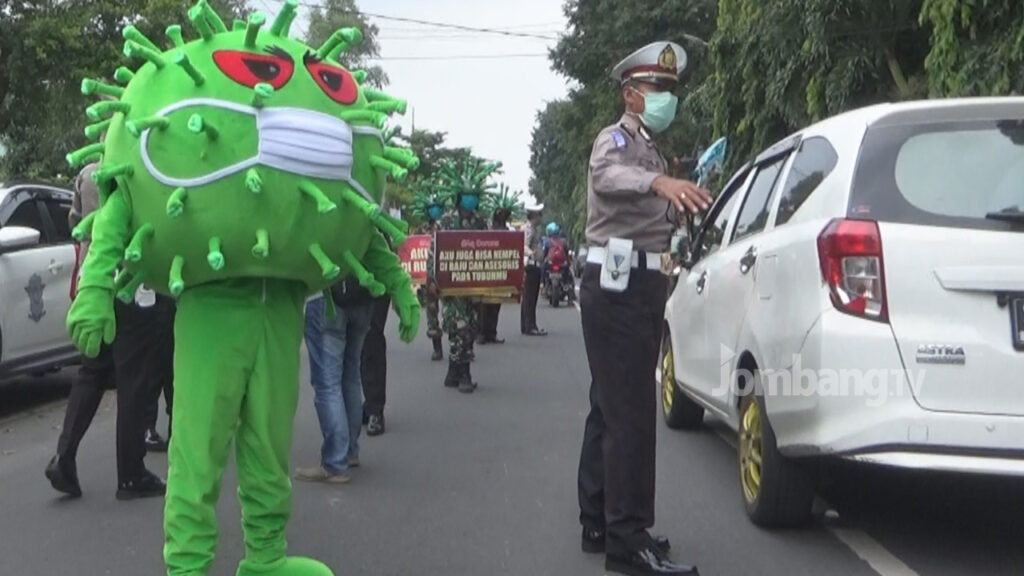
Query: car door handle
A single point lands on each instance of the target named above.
(748, 260)
(702, 282)
(56, 268)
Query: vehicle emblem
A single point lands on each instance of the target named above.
(37, 308)
(941, 354)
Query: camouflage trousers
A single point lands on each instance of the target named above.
(433, 308)
(462, 323)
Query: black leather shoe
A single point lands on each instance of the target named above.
(155, 442)
(647, 562)
(438, 351)
(148, 485)
(593, 542)
(451, 380)
(63, 476)
(375, 425)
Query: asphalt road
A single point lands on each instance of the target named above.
(484, 485)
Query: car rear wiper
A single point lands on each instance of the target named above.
(1007, 215)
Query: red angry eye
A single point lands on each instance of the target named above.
(249, 69)
(334, 81)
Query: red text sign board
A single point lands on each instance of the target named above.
(414, 254)
(483, 263)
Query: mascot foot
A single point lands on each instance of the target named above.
(292, 566)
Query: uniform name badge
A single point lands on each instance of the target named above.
(618, 261)
(144, 297)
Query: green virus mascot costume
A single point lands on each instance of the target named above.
(240, 172)
(429, 206)
(465, 187)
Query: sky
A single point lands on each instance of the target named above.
(485, 102)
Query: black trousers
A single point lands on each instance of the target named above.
(489, 314)
(622, 333)
(153, 408)
(137, 363)
(531, 290)
(375, 360)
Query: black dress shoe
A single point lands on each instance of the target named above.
(148, 485)
(650, 561)
(375, 425)
(63, 476)
(593, 542)
(155, 442)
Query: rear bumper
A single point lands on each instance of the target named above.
(853, 399)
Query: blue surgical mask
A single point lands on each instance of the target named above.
(659, 110)
(435, 212)
(469, 202)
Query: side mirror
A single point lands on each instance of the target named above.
(14, 238)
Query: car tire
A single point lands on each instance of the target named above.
(777, 492)
(680, 412)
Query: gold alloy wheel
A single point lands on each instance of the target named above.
(668, 378)
(750, 451)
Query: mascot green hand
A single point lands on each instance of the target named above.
(240, 172)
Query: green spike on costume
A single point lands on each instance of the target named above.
(253, 181)
(365, 278)
(198, 125)
(176, 284)
(174, 33)
(86, 154)
(137, 127)
(133, 49)
(353, 116)
(252, 28)
(106, 108)
(329, 269)
(181, 59)
(134, 251)
(105, 174)
(388, 106)
(199, 22)
(402, 156)
(360, 75)
(284, 19)
(215, 258)
(90, 87)
(127, 293)
(381, 163)
(338, 43)
(84, 228)
(211, 17)
(132, 33)
(262, 247)
(176, 203)
(123, 75)
(260, 94)
(93, 131)
(237, 25)
(323, 203)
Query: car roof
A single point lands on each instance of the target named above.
(6, 188)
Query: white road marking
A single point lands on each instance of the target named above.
(881, 560)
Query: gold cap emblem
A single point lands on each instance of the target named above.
(667, 59)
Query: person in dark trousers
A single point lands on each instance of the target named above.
(503, 207)
(633, 207)
(140, 355)
(154, 441)
(375, 368)
(534, 260)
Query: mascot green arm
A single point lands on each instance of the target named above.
(91, 318)
(385, 266)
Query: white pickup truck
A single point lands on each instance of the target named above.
(37, 261)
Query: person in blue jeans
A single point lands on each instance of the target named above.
(335, 349)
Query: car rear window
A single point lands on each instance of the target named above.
(941, 174)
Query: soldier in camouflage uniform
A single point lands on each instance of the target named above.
(429, 205)
(466, 185)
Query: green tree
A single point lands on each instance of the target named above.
(332, 15)
(46, 48)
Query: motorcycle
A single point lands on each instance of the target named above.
(560, 285)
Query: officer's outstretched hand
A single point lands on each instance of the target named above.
(683, 194)
(91, 320)
(407, 306)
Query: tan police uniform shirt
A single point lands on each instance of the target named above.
(620, 202)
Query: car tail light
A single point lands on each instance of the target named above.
(850, 254)
(554, 268)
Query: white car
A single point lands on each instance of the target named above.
(857, 291)
(37, 260)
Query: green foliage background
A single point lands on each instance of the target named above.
(770, 68)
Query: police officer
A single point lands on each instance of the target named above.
(632, 207)
(533, 234)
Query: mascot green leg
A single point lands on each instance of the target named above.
(236, 372)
